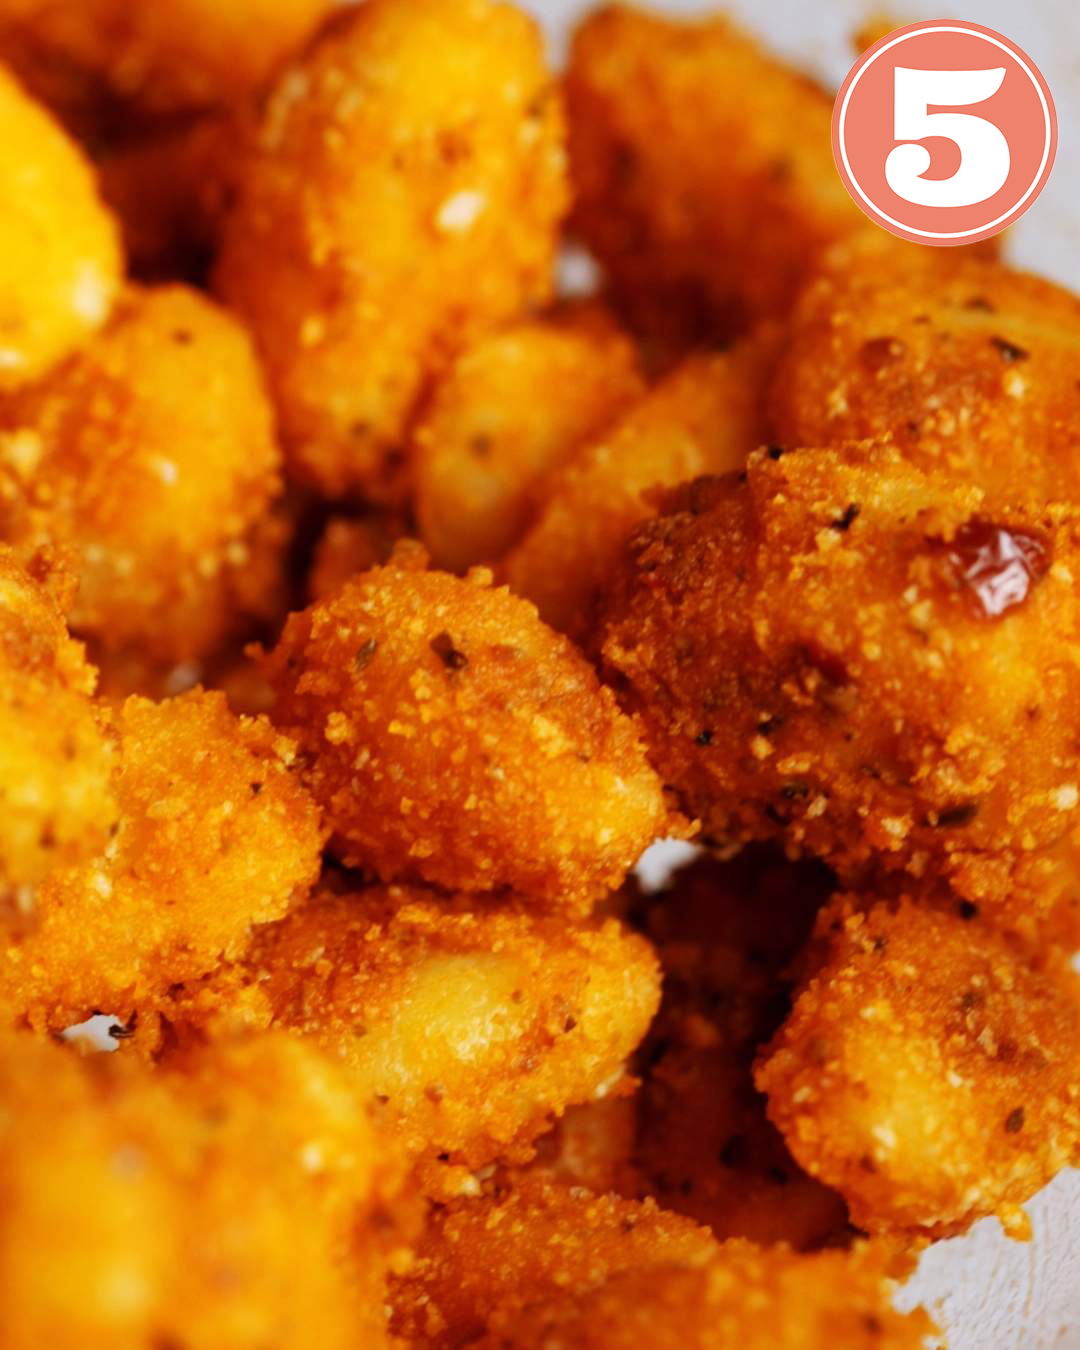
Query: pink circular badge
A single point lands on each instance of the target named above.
(944, 132)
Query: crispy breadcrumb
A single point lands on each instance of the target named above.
(746, 1296)
(57, 802)
(470, 1025)
(702, 169)
(930, 1069)
(867, 661)
(967, 366)
(544, 1265)
(147, 458)
(450, 737)
(703, 418)
(59, 246)
(214, 835)
(508, 413)
(405, 196)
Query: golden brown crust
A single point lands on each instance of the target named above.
(811, 652)
(705, 417)
(544, 1265)
(111, 64)
(214, 835)
(470, 1026)
(758, 1299)
(60, 258)
(405, 196)
(967, 366)
(510, 411)
(148, 458)
(452, 738)
(57, 802)
(929, 1069)
(702, 169)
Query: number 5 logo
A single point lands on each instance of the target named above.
(954, 177)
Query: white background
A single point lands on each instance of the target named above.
(989, 1293)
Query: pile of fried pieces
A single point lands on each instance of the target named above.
(366, 611)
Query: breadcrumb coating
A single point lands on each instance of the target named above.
(404, 197)
(471, 1026)
(755, 1298)
(56, 799)
(60, 258)
(147, 458)
(968, 367)
(930, 1069)
(450, 737)
(703, 418)
(239, 1202)
(114, 63)
(725, 933)
(545, 1265)
(508, 413)
(868, 661)
(702, 169)
(214, 835)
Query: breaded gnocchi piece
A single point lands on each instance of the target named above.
(967, 366)
(451, 738)
(147, 458)
(214, 835)
(471, 1025)
(725, 934)
(871, 663)
(405, 196)
(747, 1296)
(57, 804)
(231, 1204)
(702, 169)
(508, 413)
(703, 418)
(542, 1265)
(118, 62)
(60, 259)
(507, 1251)
(930, 1069)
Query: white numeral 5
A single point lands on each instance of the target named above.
(984, 151)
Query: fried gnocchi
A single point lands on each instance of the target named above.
(213, 835)
(509, 412)
(470, 1025)
(404, 196)
(968, 368)
(930, 1068)
(60, 260)
(702, 169)
(240, 1198)
(811, 650)
(147, 459)
(541, 1265)
(451, 738)
(104, 63)
(57, 804)
(703, 418)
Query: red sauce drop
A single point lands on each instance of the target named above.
(998, 566)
